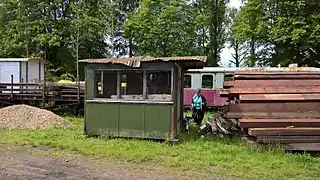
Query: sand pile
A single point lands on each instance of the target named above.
(28, 117)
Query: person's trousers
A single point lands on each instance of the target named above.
(197, 115)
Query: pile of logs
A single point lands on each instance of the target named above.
(219, 125)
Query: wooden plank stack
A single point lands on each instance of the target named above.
(277, 107)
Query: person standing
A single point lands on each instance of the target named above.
(198, 105)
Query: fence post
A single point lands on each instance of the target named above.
(44, 90)
(11, 86)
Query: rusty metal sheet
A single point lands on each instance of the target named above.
(273, 115)
(276, 76)
(266, 83)
(275, 90)
(279, 97)
(276, 107)
(287, 139)
(136, 61)
(268, 123)
(284, 131)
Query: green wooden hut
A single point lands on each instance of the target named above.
(140, 97)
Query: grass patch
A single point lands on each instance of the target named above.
(229, 157)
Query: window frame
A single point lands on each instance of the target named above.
(118, 84)
(184, 84)
(212, 81)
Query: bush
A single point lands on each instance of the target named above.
(67, 76)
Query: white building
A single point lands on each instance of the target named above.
(24, 70)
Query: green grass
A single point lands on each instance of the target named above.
(228, 157)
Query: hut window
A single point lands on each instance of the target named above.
(106, 84)
(187, 81)
(131, 85)
(207, 81)
(159, 85)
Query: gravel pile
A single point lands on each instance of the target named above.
(28, 117)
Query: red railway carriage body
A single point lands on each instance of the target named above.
(210, 80)
(213, 97)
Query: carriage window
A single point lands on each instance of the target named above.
(187, 81)
(207, 81)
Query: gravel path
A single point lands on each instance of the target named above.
(16, 165)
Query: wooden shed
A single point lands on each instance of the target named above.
(24, 70)
(139, 97)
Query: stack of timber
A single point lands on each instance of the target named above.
(279, 107)
(67, 92)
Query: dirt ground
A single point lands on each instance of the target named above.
(27, 163)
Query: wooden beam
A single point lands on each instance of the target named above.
(118, 84)
(101, 82)
(174, 107)
(269, 123)
(40, 69)
(287, 139)
(27, 72)
(271, 83)
(276, 107)
(272, 115)
(145, 85)
(284, 131)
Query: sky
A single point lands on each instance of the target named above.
(226, 52)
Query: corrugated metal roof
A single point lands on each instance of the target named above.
(136, 61)
(213, 70)
(17, 59)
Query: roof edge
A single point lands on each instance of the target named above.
(145, 59)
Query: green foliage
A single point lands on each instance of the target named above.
(162, 28)
(178, 27)
(67, 76)
(280, 32)
(213, 14)
(47, 29)
(262, 33)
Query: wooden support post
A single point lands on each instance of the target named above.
(118, 84)
(44, 91)
(11, 86)
(40, 69)
(27, 72)
(101, 83)
(180, 94)
(145, 85)
(172, 84)
(78, 83)
(174, 106)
